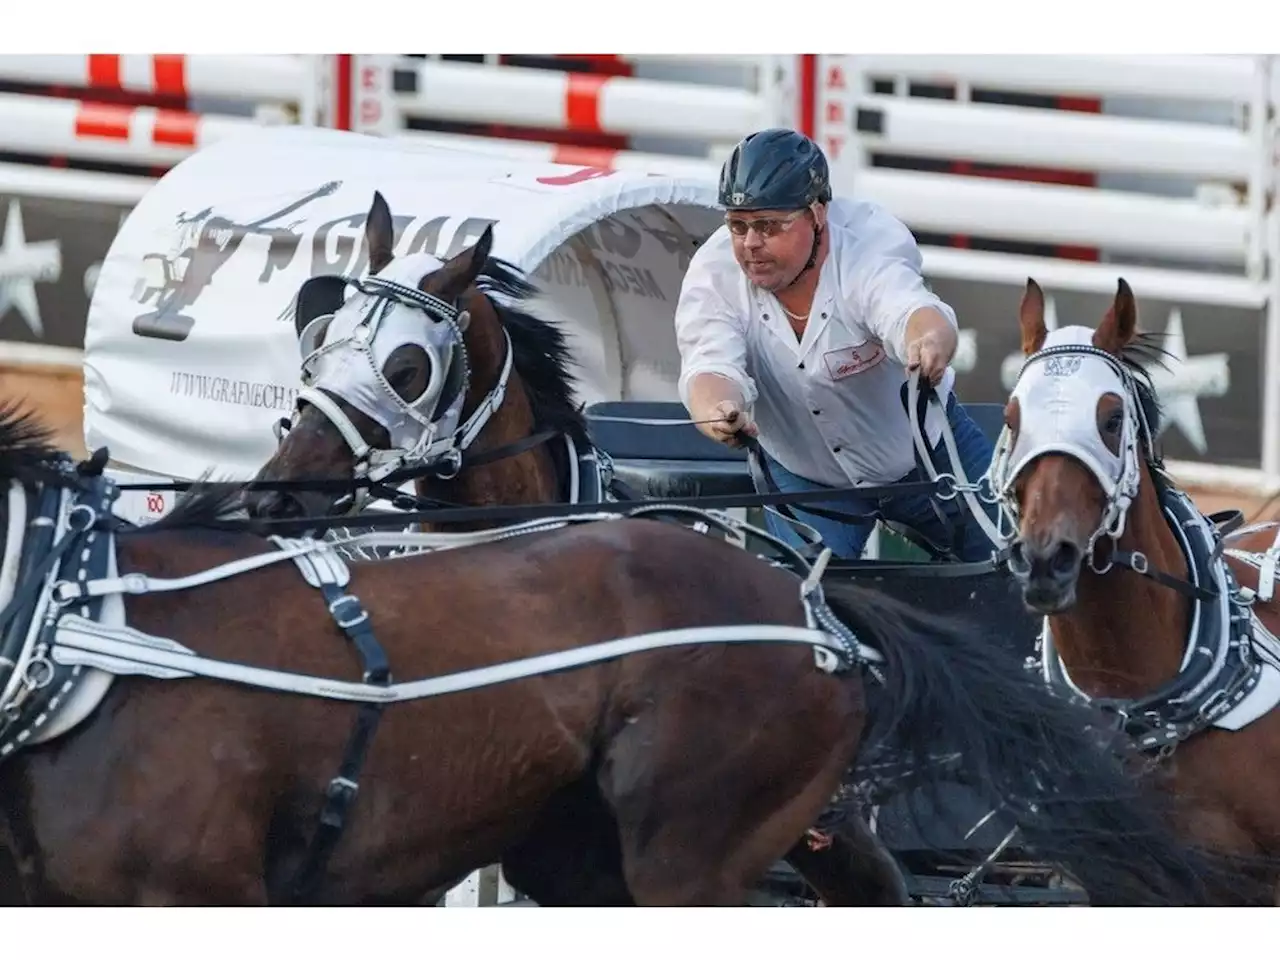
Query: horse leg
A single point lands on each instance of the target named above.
(854, 870)
(570, 857)
(699, 829)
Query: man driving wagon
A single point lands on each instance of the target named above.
(798, 324)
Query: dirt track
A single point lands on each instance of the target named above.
(57, 395)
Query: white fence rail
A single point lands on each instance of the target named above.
(1228, 79)
(278, 79)
(55, 126)
(581, 156)
(1050, 138)
(1116, 220)
(524, 96)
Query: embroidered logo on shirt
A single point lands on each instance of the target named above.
(847, 361)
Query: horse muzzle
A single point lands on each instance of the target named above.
(1048, 570)
(288, 504)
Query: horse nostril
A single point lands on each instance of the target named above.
(288, 507)
(274, 505)
(1065, 559)
(1018, 564)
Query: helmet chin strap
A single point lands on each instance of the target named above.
(813, 256)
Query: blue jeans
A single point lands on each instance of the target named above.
(847, 540)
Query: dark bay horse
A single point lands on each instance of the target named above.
(1165, 617)
(183, 723)
(484, 391)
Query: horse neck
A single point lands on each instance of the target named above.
(1126, 634)
(524, 478)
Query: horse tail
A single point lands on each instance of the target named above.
(949, 688)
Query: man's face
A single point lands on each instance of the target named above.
(771, 246)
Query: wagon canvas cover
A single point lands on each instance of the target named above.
(190, 349)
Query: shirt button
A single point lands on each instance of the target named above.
(817, 413)
(824, 316)
(801, 364)
(835, 449)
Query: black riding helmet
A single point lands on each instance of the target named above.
(776, 169)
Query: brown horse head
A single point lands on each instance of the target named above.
(419, 368)
(1079, 422)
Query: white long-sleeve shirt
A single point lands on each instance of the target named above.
(828, 407)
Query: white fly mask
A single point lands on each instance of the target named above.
(344, 353)
(1058, 391)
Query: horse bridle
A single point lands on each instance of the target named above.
(438, 438)
(1121, 487)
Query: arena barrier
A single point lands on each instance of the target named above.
(390, 93)
(1188, 227)
(245, 89)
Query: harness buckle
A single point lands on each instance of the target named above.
(134, 583)
(1139, 564)
(1208, 710)
(339, 796)
(347, 621)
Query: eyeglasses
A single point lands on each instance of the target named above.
(764, 226)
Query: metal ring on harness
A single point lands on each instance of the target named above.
(947, 488)
(45, 671)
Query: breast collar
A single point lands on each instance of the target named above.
(1221, 668)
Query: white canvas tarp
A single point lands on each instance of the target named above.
(191, 356)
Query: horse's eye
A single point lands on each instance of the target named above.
(401, 378)
(1115, 422)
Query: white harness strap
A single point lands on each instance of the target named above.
(958, 477)
(1267, 570)
(65, 592)
(124, 650)
(13, 542)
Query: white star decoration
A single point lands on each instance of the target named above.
(22, 266)
(1187, 379)
(1178, 388)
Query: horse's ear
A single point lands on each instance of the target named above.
(379, 233)
(1031, 318)
(1121, 322)
(460, 271)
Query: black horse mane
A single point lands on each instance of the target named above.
(205, 502)
(27, 450)
(1138, 356)
(541, 352)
